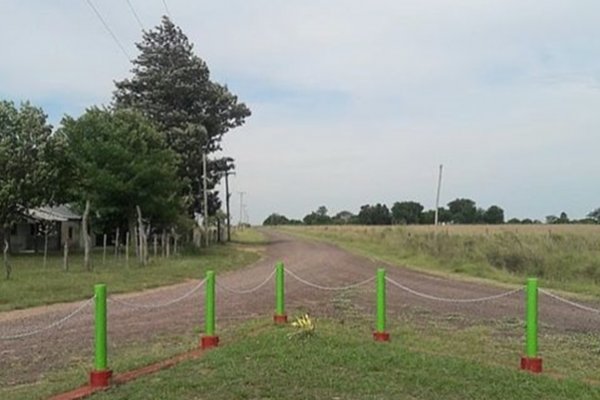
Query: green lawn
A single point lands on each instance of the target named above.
(33, 285)
(341, 361)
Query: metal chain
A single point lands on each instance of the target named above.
(52, 325)
(449, 300)
(246, 291)
(316, 286)
(569, 302)
(153, 306)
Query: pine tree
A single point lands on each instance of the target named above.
(171, 86)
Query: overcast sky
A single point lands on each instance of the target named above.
(356, 101)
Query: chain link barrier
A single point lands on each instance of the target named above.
(569, 302)
(50, 326)
(161, 305)
(246, 291)
(450, 300)
(333, 288)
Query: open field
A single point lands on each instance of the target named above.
(565, 257)
(33, 285)
(428, 358)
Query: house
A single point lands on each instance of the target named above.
(61, 224)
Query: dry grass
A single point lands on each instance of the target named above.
(562, 256)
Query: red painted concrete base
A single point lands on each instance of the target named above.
(381, 336)
(531, 364)
(208, 342)
(280, 319)
(100, 378)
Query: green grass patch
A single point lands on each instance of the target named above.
(33, 285)
(340, 361)
(565, 260)
(248, 236)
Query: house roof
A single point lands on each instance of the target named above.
(57, 213)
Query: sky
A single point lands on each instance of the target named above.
(355, 101)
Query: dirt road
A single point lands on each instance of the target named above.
(29, 358)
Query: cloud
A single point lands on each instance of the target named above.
(356, 101)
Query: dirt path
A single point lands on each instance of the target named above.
(28, 359)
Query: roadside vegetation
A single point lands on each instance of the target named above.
(145, 166)
(36, 285)
(564, 257)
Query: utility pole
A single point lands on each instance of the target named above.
(227, 196)
(241, 206)
(205, 179)
(437, 197)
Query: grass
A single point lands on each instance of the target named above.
(563, 257)
(428, 358)
(34, 285)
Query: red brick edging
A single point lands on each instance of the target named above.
(119, 379)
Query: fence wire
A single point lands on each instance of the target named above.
(321, 287)
(50, 326)
(451, 300)
(246, 291)
(160, 305)
(569, 302)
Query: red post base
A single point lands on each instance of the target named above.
(381, 336)
(280, 319)
(531, 364)
(208, 342)
(100, 378)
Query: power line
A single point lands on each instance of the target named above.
(137, 18)
(167, 8)
(115, 38)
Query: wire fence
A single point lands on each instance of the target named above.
(452, 300)
(569, 302)
(333, 288)
(149, 306)
(159, 305)
(54, 324)
(246, 291)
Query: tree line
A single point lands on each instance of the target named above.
(458, 211)
(136, 162)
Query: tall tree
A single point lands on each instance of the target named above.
(276, 219)
(30, 161)
(120, 162)
(494, 215)
(406, 212)
(463, 211)
(172, 87)
(378, 214)
(318, 217)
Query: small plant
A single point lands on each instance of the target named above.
(305, 327)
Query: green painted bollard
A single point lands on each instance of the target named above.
(209, 339)
(100, 376)
(531, 361)
(380, 334)
(280, 316)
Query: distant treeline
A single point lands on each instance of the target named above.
(458, 211)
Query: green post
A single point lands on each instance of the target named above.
(210, 304)
(209, 339)
(101, 359)
(380, 334)
(280, 316)
(532, 318)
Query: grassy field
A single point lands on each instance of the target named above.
(565, 257)
(33, 285)
(428, 358)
